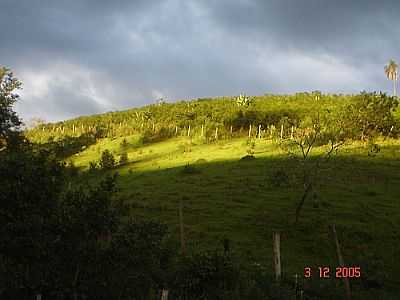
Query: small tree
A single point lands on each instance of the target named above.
(9, 121)
(124, 145)
(369, 114)
(107, 160)
(313, 132)
(243, 100)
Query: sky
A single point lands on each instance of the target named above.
(80, 57)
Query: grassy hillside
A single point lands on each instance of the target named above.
(226, 197)
(245, 200)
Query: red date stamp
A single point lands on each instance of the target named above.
(338, 272)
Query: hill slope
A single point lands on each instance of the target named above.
(195, 152)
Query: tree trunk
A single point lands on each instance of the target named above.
(302, 200)
(341, 262)
(164, 295)
(182, 234)
(276, 241)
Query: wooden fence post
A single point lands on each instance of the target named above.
(259, 131)
(39, 297)
(202, 130)
(164, 294)
(183, 246)
(250, 131)
(341, 262)
(188, 133)
(176, 130)
(231, 130)
(276, 239)
(282, 131)
(291, 134)
(216, 133)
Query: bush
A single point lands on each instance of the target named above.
(124, 145)
(251, 147)
(206, 276)
(107, 160)
(123, 159)
(369, 114)
(93, 166)
(248, 157)
(216, 275)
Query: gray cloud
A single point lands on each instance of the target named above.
(83, 57)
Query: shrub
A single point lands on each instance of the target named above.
(189, 169)
(124, 145)
(93, 166)
(251, 147)
(370, 113)
(107, 160)
(123, 159)
(248, 157)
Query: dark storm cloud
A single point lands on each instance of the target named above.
(83, 57)
(348, 28)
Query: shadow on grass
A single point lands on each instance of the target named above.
(240, 201)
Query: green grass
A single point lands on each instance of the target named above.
(226, 197)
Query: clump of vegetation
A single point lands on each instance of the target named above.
(251, 147)
(370, 114)
(123, 158)
(93, 166)
(124, 145)
(243, 100)
(190, 169)
(107, 160)
(222, 275)
(248, 157)
(373, 148)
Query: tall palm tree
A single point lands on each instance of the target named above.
(391, 73)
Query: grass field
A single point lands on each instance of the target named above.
(225, 196)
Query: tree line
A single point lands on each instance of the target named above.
(360, 116)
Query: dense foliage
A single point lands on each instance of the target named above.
(9, 121)
(218, 118)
